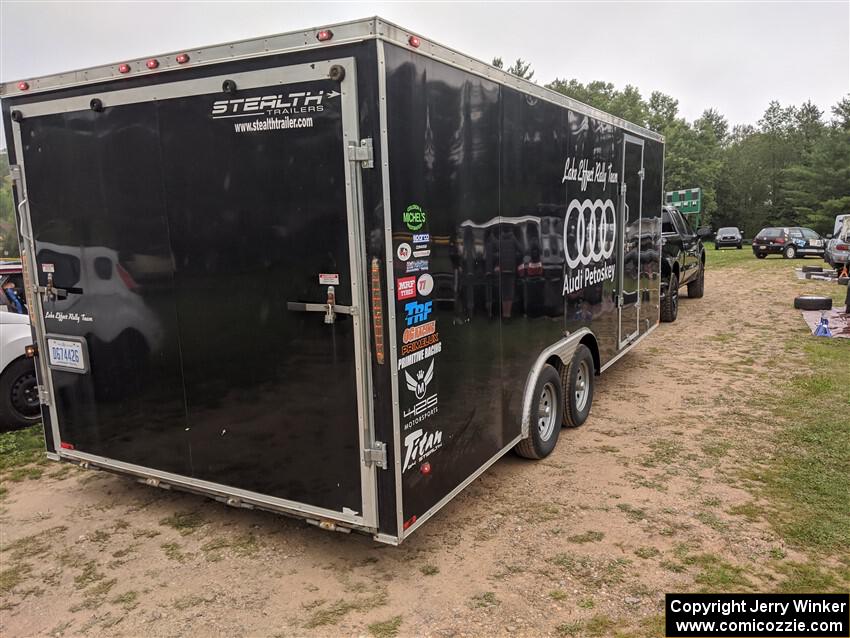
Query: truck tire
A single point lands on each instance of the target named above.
(546, 416)
(761, 255)
(740, 246)
(696, 288)
(670, 303)
(790, 252)
(813, 302)
(19, 405)
(578, 380)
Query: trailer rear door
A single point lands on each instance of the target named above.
(190, 235)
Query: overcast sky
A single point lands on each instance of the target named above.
(733, 56)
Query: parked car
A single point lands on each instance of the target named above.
(837, 253)
(682, 261)
(19, 403)
(728, 237)
(791, 242)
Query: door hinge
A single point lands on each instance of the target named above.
(43, 395)
(362, 153)
(376, 454)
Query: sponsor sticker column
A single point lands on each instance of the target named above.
(419, 341)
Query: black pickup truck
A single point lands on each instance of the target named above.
(682, 262)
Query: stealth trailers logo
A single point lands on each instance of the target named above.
(590, 231)
(297, 103)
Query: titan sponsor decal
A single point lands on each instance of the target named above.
(281, 104)
(425, 285)
(403, 252)
(405, 288)
(418, 446)
(417, 265)
(590, 231)
(418, 357)
(421, 238)
(417, 313)
(414, 217)
(419, 384)
(417, 332)
(419, 344)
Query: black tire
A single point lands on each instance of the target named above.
(813, 302)
(696, 288)
(19, 404)
(577, 377)
(543, 430)
(740, 246)
(716, 247)
(761, 255)
(670, 303)
(812, 269)
(843, 280)
(790, 252)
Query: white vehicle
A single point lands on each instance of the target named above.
(18, 386)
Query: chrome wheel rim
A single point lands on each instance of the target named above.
(582, 390)
(546, 411)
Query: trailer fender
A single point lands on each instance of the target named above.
(560, 352)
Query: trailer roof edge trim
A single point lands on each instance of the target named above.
(343, 33)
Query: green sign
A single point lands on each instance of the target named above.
(686, 201)
(414, 217)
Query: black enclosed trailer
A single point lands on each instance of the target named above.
(335, 273)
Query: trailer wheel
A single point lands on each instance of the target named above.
(670, 303)
(578, 387)
(546, 416)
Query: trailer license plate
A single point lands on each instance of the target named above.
(66, 354)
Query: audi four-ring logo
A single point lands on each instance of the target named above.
(595, 229)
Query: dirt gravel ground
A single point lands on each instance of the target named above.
(647, 497)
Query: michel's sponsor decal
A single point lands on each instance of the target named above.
(418, 446)
(416, 313)
(294, 103)
(405, 288)
(590, 231)
(414, 217)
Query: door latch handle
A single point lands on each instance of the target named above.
(330, 307)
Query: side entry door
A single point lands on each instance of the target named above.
(631, 197)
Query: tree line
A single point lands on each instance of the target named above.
(792, 168)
